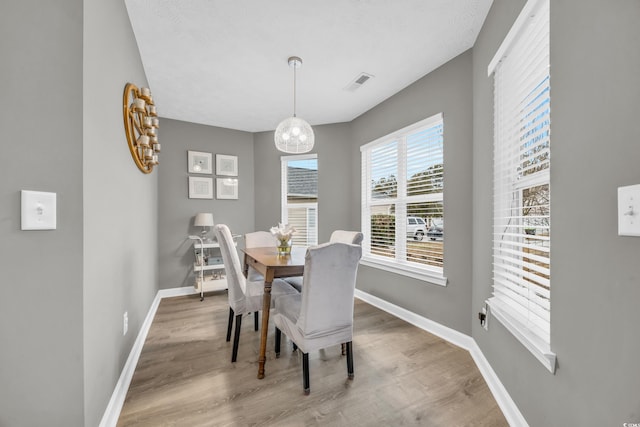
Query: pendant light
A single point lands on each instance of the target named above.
(294, 135)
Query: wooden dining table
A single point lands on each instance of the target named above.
(272, 266)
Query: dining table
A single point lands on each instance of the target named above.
(272, 265)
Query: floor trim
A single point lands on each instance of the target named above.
(506, 404)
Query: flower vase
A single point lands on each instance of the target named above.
(284, 246)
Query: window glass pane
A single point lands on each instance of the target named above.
(302, 181)
(425, 161)
(383, 230)
(302, 200)
(425, 243)
(304, 219)
(384, 171)
(535, 130)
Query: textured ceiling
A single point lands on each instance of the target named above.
(224, 63)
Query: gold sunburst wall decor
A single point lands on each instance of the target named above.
(141, 125)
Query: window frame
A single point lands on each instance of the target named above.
(284, 205)
(397, 265)
(516, 319)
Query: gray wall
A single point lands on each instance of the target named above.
(595, 64)
(334, 172)
(176, 211)
(448, 90)
(120, 206)
(64, 291)
(41, 377)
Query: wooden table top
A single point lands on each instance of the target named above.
(268, 256)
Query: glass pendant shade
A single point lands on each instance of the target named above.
(294, 135)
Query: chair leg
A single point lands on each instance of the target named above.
(350, 360)
(305, 373)
(229, 324)
(295, 347)
(277, 349)
(236, 338)
(255, 320)
(342, 349)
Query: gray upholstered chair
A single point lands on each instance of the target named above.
(245, 296)
(340, 236)
(353, 237)
(322, 314)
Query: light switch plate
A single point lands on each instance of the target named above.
(629, 210)
(38, 210)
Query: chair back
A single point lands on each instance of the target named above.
(328, 287)
(353, 237)
(260, 239)
(236, 281)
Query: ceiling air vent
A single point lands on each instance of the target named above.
(356, 83)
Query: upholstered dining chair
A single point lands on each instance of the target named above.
(340, 236)
(258, 239)
(245, 296)
(322, 314)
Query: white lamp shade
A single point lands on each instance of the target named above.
(294, 135)
(204, 220)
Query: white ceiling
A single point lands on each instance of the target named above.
(224, 63)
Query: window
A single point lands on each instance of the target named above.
(521, 193)
(300, 197)
(402, 198)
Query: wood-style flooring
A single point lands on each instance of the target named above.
(404, 376)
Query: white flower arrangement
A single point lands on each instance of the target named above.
(283, 232)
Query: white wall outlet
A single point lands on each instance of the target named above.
(38, 210)
(125, 323)
(629, 210)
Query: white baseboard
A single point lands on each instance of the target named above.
(504, 401)
(112, 413)
(506, 404)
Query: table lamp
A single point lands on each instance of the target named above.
(204, 220)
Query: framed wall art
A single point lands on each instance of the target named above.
(226, 165)
(200, 188)
(200, 162)
(226, 188)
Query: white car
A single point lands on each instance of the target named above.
(416, 228)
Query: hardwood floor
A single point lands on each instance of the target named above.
(403, 376)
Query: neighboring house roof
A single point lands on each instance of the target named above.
(302, 182)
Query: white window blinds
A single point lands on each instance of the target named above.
(402, 196)
(300, 197)
(521, 191)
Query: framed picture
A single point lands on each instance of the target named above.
(226, 188)
(200, 162)
(200, 188)
(226, 165)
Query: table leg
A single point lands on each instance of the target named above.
(266, 307)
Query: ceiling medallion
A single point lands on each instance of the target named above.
(141, 126)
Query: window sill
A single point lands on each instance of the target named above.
(540, 349)
(406, 270)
